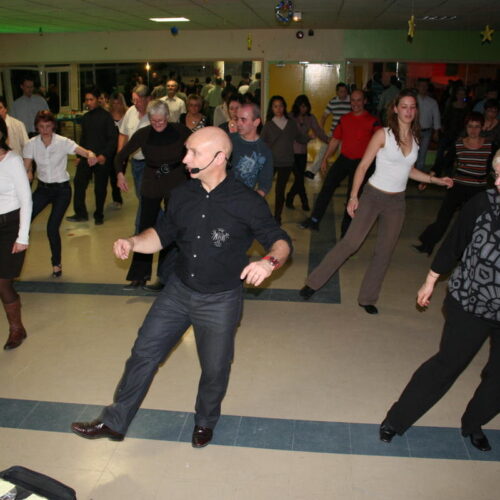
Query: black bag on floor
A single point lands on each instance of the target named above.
(28, 482)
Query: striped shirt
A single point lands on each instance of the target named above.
(337, 108)
(472, 164)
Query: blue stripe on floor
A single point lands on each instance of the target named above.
(443, 443)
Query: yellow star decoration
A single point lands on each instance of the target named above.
(411, 27)
(487, 34)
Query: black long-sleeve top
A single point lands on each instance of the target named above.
(474, 241)
(214, 230)
(99, 133)
(159, 148)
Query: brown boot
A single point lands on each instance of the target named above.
(17, 333)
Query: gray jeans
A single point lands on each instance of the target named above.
(214, 316)
(374, 205)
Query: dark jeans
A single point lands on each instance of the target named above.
(82, 178)
(454, 199)
(116, 193)
(214, 316)
(59, 196)
(282, 176)
(141, 266)
(298, 187)
(342, 168)
(463, 336)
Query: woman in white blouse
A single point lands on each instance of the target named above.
(50, 152)
(15, 213)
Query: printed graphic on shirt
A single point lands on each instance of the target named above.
(474, 283)
(249, 166)
(219, 237)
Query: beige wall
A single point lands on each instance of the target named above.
(271, 45)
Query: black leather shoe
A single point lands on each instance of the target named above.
(369, 309)
(95, 430)
(289, 203)
(306, 207)
(309, 174)
(479, 441)
(201, 436)
(310, 224)
(423, 249)
(134, 285)
(77, 218)
(154, 287)
(386, 432)
(307, 292)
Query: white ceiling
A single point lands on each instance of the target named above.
(58, 16)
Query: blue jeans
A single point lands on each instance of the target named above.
(137, 171)
(59, 196)
(214, 316)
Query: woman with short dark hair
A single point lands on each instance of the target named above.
(472, 157)
(50, 152)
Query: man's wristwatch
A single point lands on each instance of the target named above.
(272, 260)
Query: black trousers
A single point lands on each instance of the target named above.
(282, 176)
(116, 193)
(463, 336)
(454, 198)
(141, 266)
(214, 316)
(82, 178)
(59, 196)
(298, 187)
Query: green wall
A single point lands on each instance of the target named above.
(435, 46)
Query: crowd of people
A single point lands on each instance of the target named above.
(202, 165)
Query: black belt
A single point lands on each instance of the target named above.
(166, 168)
(53, 184)
(7, 217)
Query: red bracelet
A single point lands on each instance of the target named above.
(272, 260)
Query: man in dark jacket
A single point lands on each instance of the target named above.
(100, 135)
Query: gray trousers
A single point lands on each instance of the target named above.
(214, 316)
(374, 205)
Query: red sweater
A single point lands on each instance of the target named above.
(355, 132)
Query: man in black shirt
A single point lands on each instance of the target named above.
(214, 219)
(100, 135)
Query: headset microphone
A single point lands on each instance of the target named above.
(197, 170)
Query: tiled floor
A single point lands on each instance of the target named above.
(309, 385)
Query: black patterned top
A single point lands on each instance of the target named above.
(475, 241)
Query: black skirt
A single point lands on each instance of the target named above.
(10, 263)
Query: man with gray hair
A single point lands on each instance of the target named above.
(175, 104)
(135, 118)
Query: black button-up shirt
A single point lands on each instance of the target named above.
(214, 231)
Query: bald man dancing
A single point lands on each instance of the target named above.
(214, 219)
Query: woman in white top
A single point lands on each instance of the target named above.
(383, 200)
(50, 152)
(15, 214)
